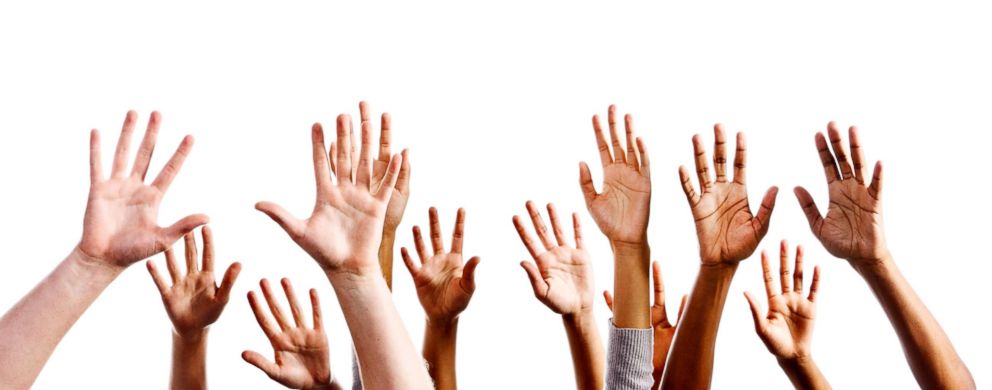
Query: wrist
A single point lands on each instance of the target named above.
(94, 268)
(442, 325)
(628, 249)
(871, 266)
(799, 362)
(190, 337)
(579, 318)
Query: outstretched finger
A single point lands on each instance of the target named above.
(542, 231)
(740, 160)
(172, 266)
(159, 281)
(687, 189)
(797, 273)
(123, 144)
(189, 242)
(171, 234)
(785, 274)
(385, 190)
(827, 159)
(256, 359)
(577, 226)
(632, 161)
(537, 282)
(766, 271)
(585, 182)
(294, 305)
(719, 153)
(809, 208)
(320, 173)
(815, 286)
(437, 243)
(837, 143)
(467, 281)
(385, 137)
(260, 316)
(96, 163)
(294, 227)
(618, 153)
(763, 219)
(147, 147)
(226, 284)
(343, 146)
(270, 299)
(556, 225)
(171, 169)
(857, 156)
(418, 243)
(604, 149)
(410, 264)
(608, 298)
(645, 161)
(318, 316)
(363, 176)
(403, 180)
(702, 166)
(659, 289)
(759, 320)
(875, 189)
(458, 236)
(532, 247)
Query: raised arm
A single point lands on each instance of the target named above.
(343, 235)
(621, 211)
(727, 233)
(444, 285)
(119, 229)
(193, 302)
(852, 230)
(302, 357)
(664, 330)
(561, 276)
(787, 329)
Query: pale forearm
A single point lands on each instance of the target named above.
(932, 358)
(386, 255)
(804, 373)
(30, 331)
(439, 351)
(690, 363)
(630, 282)
(189, 361)
(588, 357)
(387, 357)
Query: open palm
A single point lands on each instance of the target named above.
(120, 225)
(302, 359)
(725, 227)
(345, 228)
(194, 301)
(560, 275)
(621, 210)
(787, 329)
(853, 227)
(444, 283)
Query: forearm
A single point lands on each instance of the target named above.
(439, 351)
(30, 331)
(588, 357)
(189, 361)
(386, 247)
(632, 304)
(387, 357)
(690, 363)
(803, 373)
(932, 358)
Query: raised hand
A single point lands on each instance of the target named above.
(727, 231)
(852, 229)
(344, 231)
(621, 210)
(194, 301)
(664, 330)
(120, 226)
(561, 275)
(302, 359)
(444, 283)
(787, 329)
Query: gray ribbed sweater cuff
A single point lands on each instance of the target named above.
(629, 359)
(356, 374)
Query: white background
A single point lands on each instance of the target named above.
(494, 103)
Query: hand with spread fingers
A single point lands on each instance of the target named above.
(401, 190)
(445, 286)
(852, 229)
(787, 329)
(726, 229)
(444, 283)
(664, 330)
(344, 231)
(561, 277)
(621, 210)
(194, 301)
(120, 228)
(302, 359)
